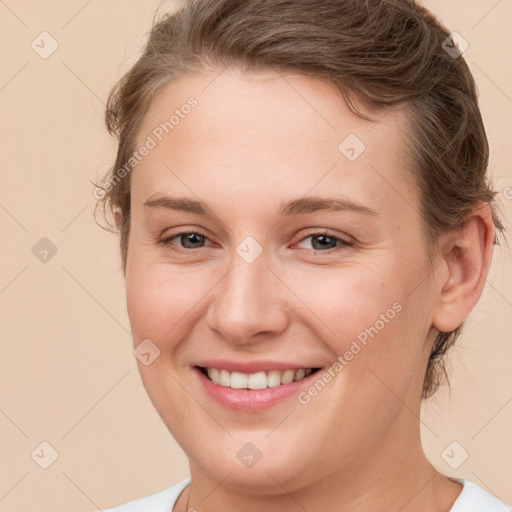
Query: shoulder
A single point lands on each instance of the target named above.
(474, 499)
(162, 501)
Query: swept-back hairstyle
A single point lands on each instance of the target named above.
(385, 52)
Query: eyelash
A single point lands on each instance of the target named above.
(341, 243)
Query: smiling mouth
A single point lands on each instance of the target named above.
(258, 380)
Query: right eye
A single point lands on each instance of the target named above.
(189, 240)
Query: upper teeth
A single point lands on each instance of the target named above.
(259, 380)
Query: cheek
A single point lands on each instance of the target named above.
(347, 299)
(369, 317)
(163, 301)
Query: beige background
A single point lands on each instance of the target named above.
(68, 375)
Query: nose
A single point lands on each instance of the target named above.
(249, 303)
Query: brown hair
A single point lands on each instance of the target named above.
(387, 52)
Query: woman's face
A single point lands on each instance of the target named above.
(273, 279)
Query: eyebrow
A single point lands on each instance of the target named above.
(300, 206)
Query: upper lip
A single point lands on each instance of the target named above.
(253, 366)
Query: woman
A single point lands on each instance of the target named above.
(305, 222)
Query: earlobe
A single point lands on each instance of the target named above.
(466, 258)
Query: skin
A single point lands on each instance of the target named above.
(254, 140)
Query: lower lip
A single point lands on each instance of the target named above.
(251, 399)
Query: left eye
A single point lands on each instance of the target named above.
(324, 239)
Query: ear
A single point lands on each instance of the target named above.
(465, 261)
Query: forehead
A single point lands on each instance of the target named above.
(263, 134)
